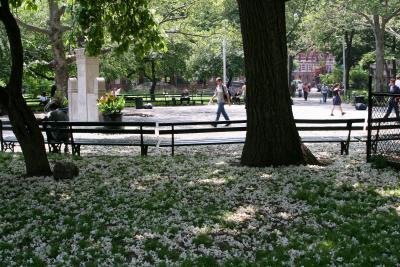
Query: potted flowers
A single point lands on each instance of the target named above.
(111, 106)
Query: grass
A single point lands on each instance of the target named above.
(196, 210)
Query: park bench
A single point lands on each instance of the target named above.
(119, 133)
(102, 134)
(342, 126)
(7, 142)
(173, 129)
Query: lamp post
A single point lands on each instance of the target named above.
(224, 60)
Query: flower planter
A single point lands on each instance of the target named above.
(112, 117)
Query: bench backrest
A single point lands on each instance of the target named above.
(302, 125)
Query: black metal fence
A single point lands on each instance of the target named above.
(383, 125)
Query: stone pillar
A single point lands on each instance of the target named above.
(88, 71)
(99, 89)
(73, 99)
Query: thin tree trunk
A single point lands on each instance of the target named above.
(272, 137)
(394, 65)
(349, 55)
(21, 117)
(387, 71)
(230, 78)
(141, 76)
(153, 80)
(380, 54)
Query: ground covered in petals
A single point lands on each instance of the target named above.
(200, 208)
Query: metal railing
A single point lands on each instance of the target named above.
(383, 125)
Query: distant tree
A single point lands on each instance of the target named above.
(376, 15)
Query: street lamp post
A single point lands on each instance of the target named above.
(224, 60)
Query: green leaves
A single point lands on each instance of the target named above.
(127, 23)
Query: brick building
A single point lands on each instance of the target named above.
(311, 64)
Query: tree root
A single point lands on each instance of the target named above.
(309, 157)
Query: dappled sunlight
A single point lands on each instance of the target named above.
(177, 209)
(212, 181)
(65, 196)
(389, 192)
(218, 171)
(241, 214)
(285, 215)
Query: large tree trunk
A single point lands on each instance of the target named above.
(56, 37)
(380, 54)
(272, 137)
(21, 117)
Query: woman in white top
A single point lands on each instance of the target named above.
(222, 95)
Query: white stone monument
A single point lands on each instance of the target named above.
(84, 91)
(73, 99)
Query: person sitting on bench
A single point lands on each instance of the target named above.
(56, 114)
(185, 96)
(236, 97)
(43, 99)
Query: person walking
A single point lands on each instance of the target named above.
(306, 90)
(393, 100)
(222, 95)
(337, 101)
(324, 92)
(244, 88)
(397, 82)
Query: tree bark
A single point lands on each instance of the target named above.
(56, 37)
(141, 76)
(272, 137)
(230, 78)
(349, 55)
(394, 64)
(21, 117)
(153, 80)
(379, 32)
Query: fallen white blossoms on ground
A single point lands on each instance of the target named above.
(200, 208)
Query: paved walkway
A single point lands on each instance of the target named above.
(310, 109)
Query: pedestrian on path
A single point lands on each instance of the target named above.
(337, 101)
(306, 90)
(222, 95)
(397, 82)
(324, 92)
(393, 100)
